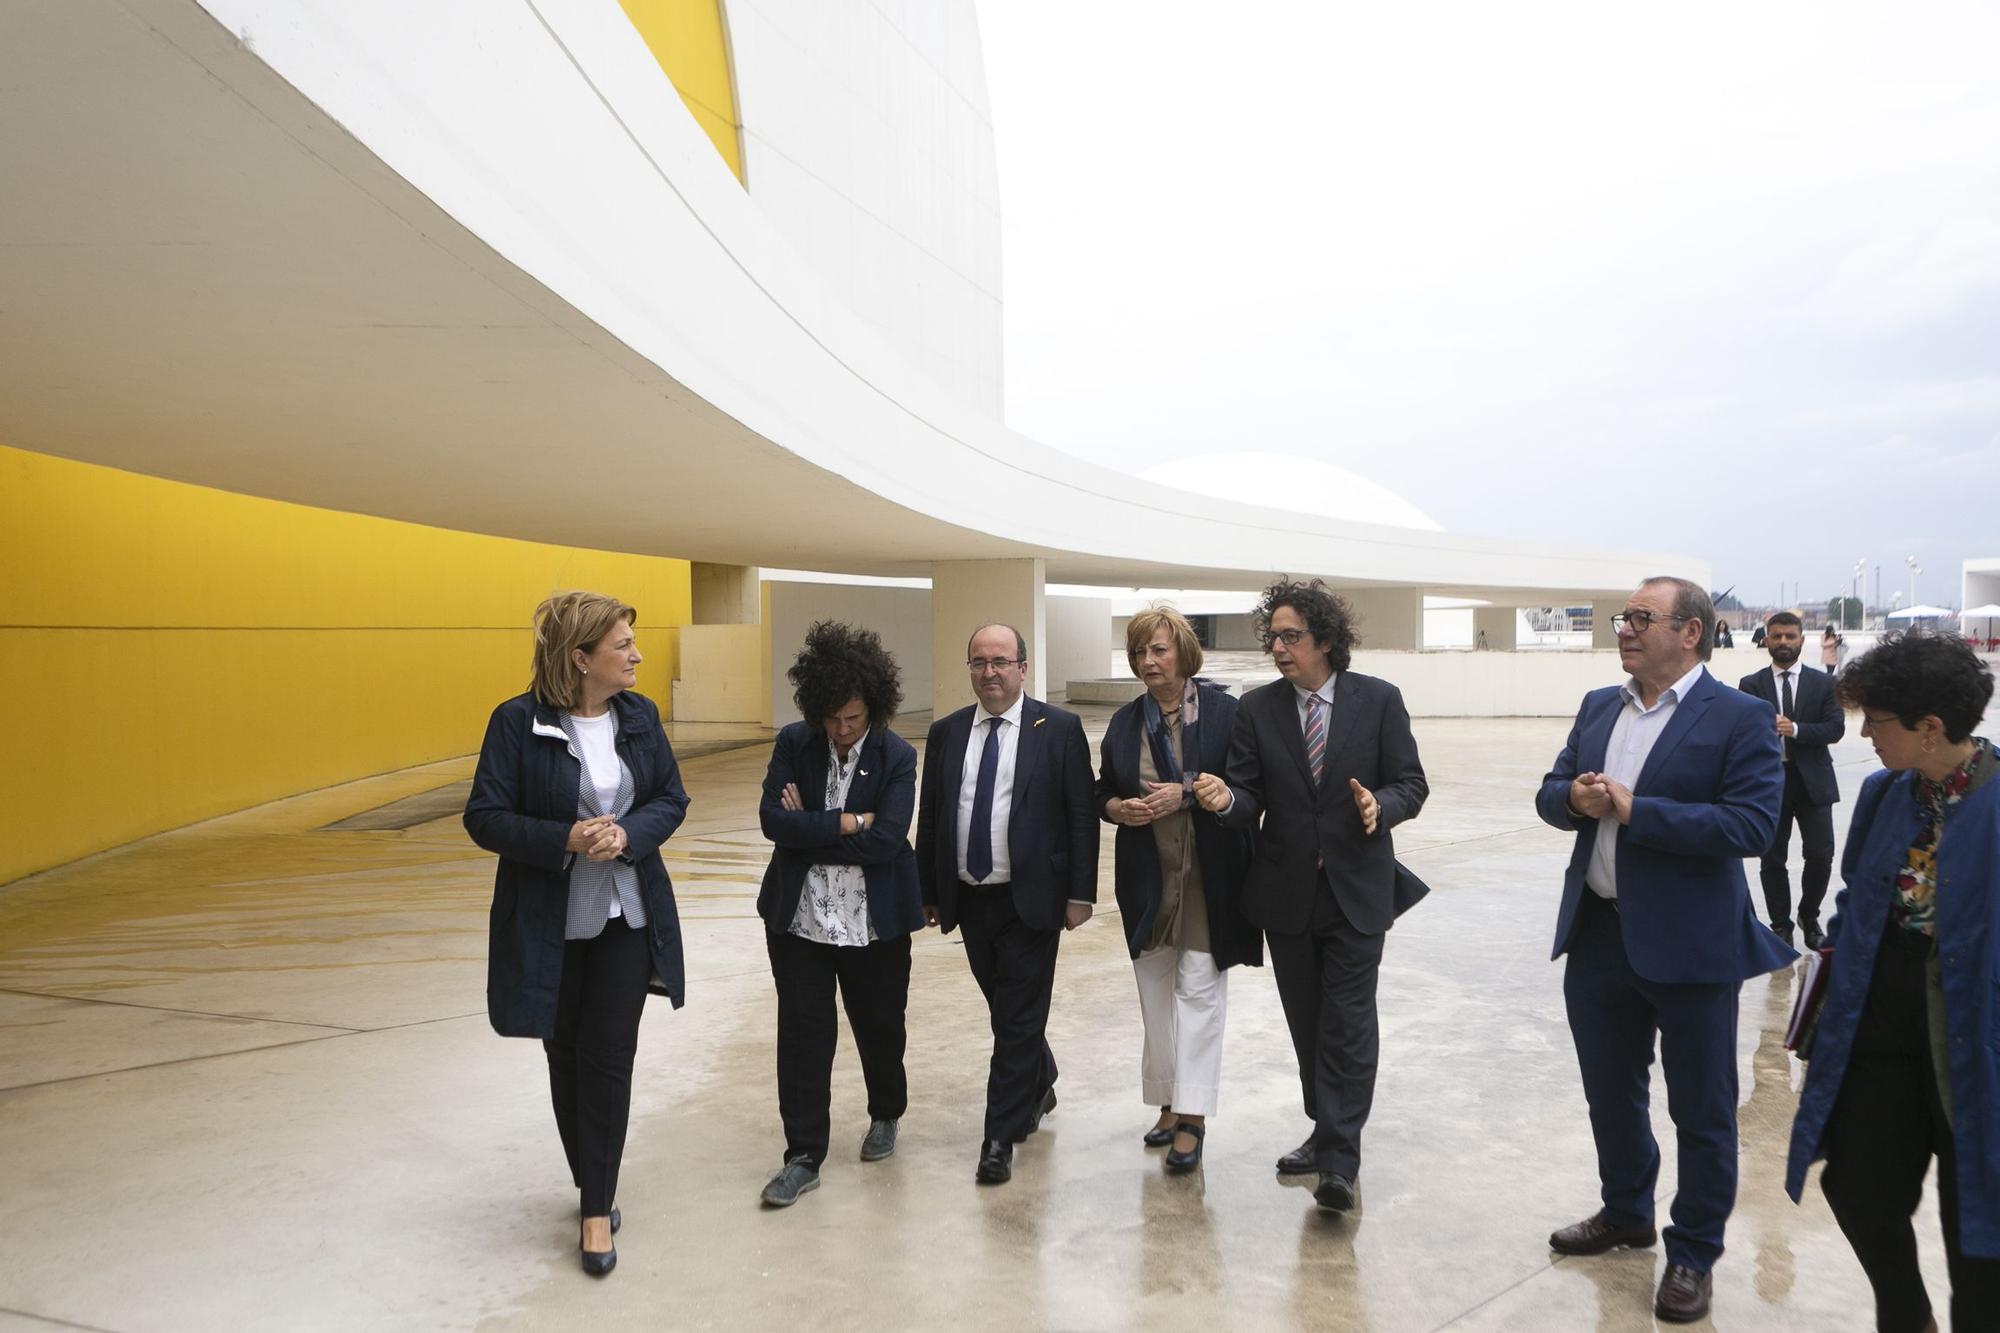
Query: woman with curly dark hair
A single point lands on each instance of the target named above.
(1905, 1059)
(840, 897)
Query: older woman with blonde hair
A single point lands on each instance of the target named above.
(576, 790)
(1179, 873)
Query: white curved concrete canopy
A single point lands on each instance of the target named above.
(475, 266)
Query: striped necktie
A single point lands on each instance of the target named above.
(1315, 739)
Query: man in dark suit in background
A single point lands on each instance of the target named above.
(1809, 720)
(1007, 848)
(1668, 782)
(1323, 765)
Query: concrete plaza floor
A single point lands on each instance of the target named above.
(246, 1081)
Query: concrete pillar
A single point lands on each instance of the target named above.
(1601, 633)
(725, 671)
(1500, 625)
(724, 594)
(966, 594)
(1392, 619)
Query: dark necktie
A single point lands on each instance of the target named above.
(1315, 739)
(1786, 708)
(979, 838)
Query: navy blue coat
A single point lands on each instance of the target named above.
(522, 805)
(1224, 853)
(884, 784)
(1052, 831)
(1707, 797)
(1968, 934)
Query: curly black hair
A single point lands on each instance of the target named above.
(1326, 613)
(840, 663)
(1918, 674)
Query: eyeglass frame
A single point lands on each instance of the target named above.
(1291, 638)
(1621, 619)
(981, 665)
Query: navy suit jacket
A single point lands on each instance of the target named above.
(1051, 828)
(1368, 738)
(885, 784)
(1817, 715)
(1707, 797)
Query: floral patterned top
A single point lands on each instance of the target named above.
(1916, 883)
(833, 909)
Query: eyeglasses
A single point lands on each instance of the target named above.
(1638, 622)
(981, 665)
(1291, 638)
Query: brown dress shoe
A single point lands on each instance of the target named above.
(1597, 1234)
(1683, 1295)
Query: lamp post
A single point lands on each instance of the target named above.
(1853, 589)
(1915, 569)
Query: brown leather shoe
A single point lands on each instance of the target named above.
(1683, 1295)
(1597, 1234)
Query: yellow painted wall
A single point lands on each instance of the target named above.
(691, 43)
(169, 652)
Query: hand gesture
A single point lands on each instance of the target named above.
(1619, 797)
(1129, 811)
(1365, 803)
(584, 832)
(1588, 797)
(1076, 914)
(930, 914)
(1162, 798)
(1212, 792)
(608, 842)
(789, 797)
(1787, 727)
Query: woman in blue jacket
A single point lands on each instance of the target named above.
(576, 790)
(1179, 874)
(840, 897)
(1906, 1059)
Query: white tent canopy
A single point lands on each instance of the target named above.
(1921, 612)
(1989, 610)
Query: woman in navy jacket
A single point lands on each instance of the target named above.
(840, 897)
(1905, 1062)
(1179, 874)
(576, 790)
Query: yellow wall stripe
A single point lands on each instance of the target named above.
(689, 40)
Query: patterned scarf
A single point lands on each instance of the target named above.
(1187, 767)
(1916, 884)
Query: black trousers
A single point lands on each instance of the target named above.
(874, 985)
(1816, 832)
(1015, 966)
(1326, 983)
(1886, 1125)
(590, 1059)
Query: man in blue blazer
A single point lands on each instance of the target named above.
(1007, 848)
(1809, 720)
(1668, 781)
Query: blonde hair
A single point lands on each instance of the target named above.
(564, 623)
(1141, 628)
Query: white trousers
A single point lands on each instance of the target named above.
(1183, 996)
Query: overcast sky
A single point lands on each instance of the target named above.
(1721, 279)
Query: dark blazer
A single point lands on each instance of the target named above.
(1707, 797)
(884, 783)
(522, 805)
(1224, 853)
(1820, 721)
(1368, 738)
(1968, 941)
(1052, 831)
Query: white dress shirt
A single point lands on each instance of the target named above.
(1633, 736)
(833, 908)
(1003, 790)
(1299, 697)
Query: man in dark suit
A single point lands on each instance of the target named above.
(1007, 848)
(1809, 720)
(1322, 764)
(1668, 781)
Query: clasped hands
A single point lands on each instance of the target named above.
(1212, 793)
(599, 837)
(850, 823)
(1593, 795)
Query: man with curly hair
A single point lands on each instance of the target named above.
(1322, 764)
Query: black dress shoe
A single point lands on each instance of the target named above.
(1684, 1295)
(1815, 938)
(1784, 934)
(1159, 1136)
(1597, 1234)
(1180, 1163)
(1300, 1161)
(598, 1264)
(1335, 1192)
(996, 1162)
(1042, 1108)
(616, 1221)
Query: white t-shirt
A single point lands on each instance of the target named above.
(599, 738)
